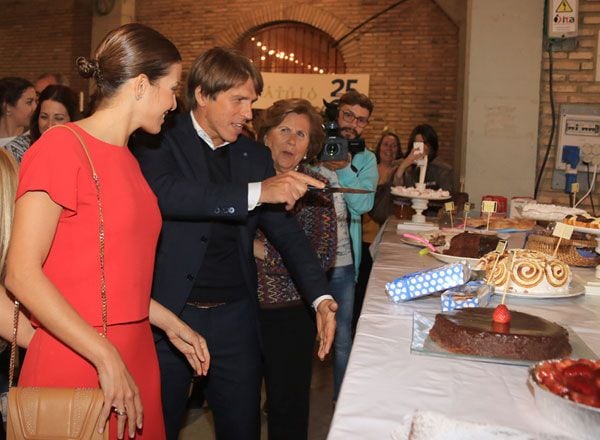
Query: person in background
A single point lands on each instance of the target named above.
(292, 130)
(56, 105)
(53, 261)
(357, 171)
(215, 187)
(17, 104)
(439, 174)
(389, 154)
(48, 79)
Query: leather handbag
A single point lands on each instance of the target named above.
(40, 413)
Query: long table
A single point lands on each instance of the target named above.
(385, 381)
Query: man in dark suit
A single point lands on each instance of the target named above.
(215, 188)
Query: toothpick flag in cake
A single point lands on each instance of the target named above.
(562, 230)
(488, 207)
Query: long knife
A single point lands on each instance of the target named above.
(338, 189)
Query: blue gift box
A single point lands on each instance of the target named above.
(472, 294)
(418, 284)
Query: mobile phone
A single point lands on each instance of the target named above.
(419, 147)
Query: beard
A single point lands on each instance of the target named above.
(348, 133)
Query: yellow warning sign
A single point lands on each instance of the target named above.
(564, 6)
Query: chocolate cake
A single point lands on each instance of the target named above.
(526, 337)
(472, 245)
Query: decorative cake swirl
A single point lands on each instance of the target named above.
(557, 273)
(530, 272)
(500, 275)
(527, 273)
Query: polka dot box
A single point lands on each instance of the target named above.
(472, 294)
(418, 284)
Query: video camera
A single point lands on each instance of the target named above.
(337, 147)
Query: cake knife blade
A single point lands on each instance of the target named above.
(338, 189)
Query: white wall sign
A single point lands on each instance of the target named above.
(562, 18)
(313, 87)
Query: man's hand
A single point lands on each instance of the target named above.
(286, 188)
(326, 325)
(334, 165)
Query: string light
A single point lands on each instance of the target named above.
(291, 57)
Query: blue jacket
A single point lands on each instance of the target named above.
(360, 173)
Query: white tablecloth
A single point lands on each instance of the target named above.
(384, 381)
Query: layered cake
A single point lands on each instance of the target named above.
(523, 224)
(472, 245)
(526, 337)
(553, 213)
(526, 271)
(583, 221)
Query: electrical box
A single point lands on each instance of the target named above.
(578, 133)
(562, 18)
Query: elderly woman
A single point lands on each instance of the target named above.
(292, 130)
(17, 103)
(57, 105)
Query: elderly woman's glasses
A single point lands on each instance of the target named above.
(349, 117)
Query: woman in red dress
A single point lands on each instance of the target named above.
(53, 265)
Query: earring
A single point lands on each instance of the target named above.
(138, 96)
(305, 157)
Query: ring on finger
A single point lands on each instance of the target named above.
(120, 412)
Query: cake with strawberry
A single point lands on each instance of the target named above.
(500, 334)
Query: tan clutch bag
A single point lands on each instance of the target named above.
(36, 413)
(54, 413)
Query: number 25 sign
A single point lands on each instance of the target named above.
(313, 87)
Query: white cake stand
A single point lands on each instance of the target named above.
(419, 204)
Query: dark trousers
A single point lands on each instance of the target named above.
(232, 387)
(288, 347)
(364, 272)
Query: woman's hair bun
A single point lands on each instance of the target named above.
(88, 68)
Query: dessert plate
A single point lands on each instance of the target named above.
(575, 289)
(581, 420)
(449, 259)
(422, 344)
(433, 237)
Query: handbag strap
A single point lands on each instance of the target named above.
(13, 347)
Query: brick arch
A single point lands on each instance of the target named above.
(306, 14)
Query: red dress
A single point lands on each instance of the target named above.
(57, 165)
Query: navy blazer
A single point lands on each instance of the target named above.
(188, 201)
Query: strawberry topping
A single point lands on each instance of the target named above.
(501, 314)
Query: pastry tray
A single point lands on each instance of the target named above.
(422, 344)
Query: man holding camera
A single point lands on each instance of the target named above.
(358, 170)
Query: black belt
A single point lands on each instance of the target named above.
(204, 305)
